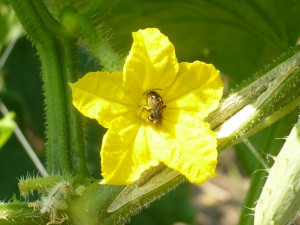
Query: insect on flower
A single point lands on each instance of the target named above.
(153, 112)
(156, 106)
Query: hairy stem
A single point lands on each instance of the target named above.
(57, 51)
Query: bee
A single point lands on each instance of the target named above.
(156, 104)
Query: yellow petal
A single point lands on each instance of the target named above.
(186, 145)
(198, 87)
(100, 96)
(124, 154)
(151, 63)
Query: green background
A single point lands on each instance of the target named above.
(238, 37)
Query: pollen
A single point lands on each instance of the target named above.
(144, 112)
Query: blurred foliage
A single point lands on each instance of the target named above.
(239, 37)
(10, 26)
(7, 126)
(21, 93)
(22, 89)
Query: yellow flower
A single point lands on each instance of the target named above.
(154, 112)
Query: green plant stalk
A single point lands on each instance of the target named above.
(69, 67)
(99, 47)
(20, 213)
(75, 125)
(68, 51)
(44, 183)
(261, 83)
(65, 148)
(259, 104)
(39, 184)
(282, 100)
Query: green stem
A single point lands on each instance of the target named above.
(76, 136)
(20, 213)
(45, 183)
(57, 53)
(259, 104)
(100, 48)
(68, 52)
(256, 154)
(39, 184)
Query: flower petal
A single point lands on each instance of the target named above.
(100, 96)
(186, 145)
(124, 154)
(198, 87)
(151, 63)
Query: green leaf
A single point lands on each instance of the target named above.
(239, 37)
(92, 9)
(7, 126)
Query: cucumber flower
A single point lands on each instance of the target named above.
(154, 111)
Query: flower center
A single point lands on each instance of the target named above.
(152, 111)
